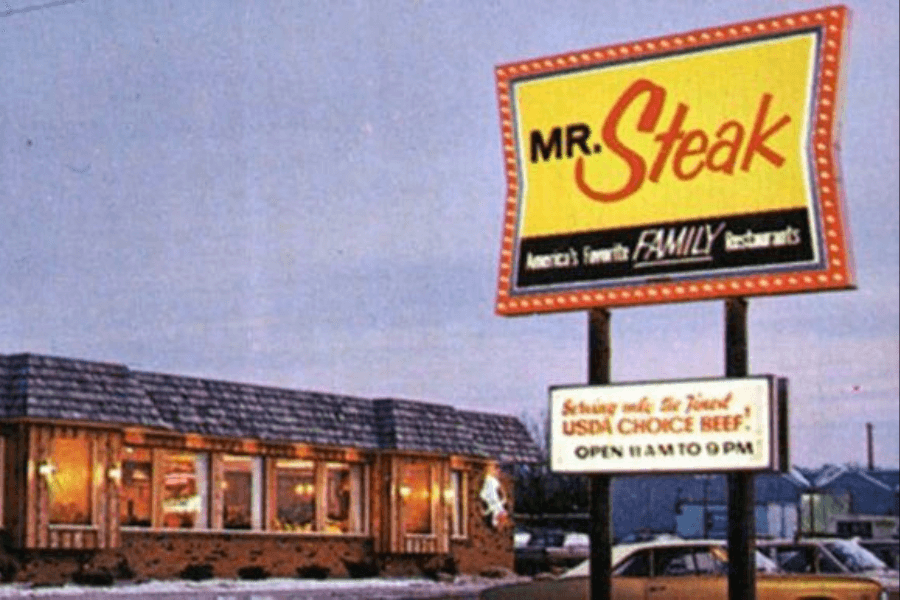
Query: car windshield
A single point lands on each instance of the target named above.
(853, 556)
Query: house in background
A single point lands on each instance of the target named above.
(851, 501)
(841, 501)
(695, 506)
(147, 475)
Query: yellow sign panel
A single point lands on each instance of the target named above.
(707, 145)
(704, 160)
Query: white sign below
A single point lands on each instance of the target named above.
(724, 424)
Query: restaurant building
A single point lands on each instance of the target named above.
(114, 472)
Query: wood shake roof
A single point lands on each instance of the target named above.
(44, 387)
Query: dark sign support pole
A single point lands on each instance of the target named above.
(599, 353)
(741, 496)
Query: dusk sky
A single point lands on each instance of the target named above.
(311, 195)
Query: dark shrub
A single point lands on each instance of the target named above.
(197, 572)
(9, 566)
(362, 569)
(99, 577)
(253, 573)
(124, 570)
(312, 572)
(435, 567)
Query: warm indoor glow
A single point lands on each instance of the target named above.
(115, 474)
(303, 489)
(242, 492)
(295, 496)
(417, 499)
(184, 493)
(69, 478)
(135, 495)
(46, 469)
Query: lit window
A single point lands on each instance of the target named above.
(135, 503)
(344, 498)
(295, 495)
(457, 504)
(242, 493)
(185, 487)
(68, 474)
(415, 493)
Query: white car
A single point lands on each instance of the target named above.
(521, 539)
(575, 548)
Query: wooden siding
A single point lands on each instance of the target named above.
(378, 503)
(103, 532)
(64, 537)
(217, 491)
(15, 483)
(390, 521)
(421, 544)
(26, 506)
(270, 496)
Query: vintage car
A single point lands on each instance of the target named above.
(531, 557)
(831, 556)
(521, 539)
(574, 550)
(669, 570)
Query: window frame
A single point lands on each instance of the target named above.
(93, 482)
(273, 504)
(433, 497)
(264, 492)
(203, 480)
(646, 556)
(458, 504)
(359, 497)
(154, 492)
(257, 492)
(358, 501)
(672, 553)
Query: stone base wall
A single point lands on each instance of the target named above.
(166, 555)
(192, 555)
(145, 555)
(485, 546)
(484, 550)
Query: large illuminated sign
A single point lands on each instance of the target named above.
(685, 167)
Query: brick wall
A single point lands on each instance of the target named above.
(165, 555)
(169, 555)
(485, 547)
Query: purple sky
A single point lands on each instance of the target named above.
(311, 194)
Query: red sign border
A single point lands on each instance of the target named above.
(837, 275)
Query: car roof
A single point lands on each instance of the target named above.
(801, 541)
(621, 551)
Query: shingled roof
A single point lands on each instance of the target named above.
(44, 387)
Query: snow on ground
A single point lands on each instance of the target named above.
(269, 589)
